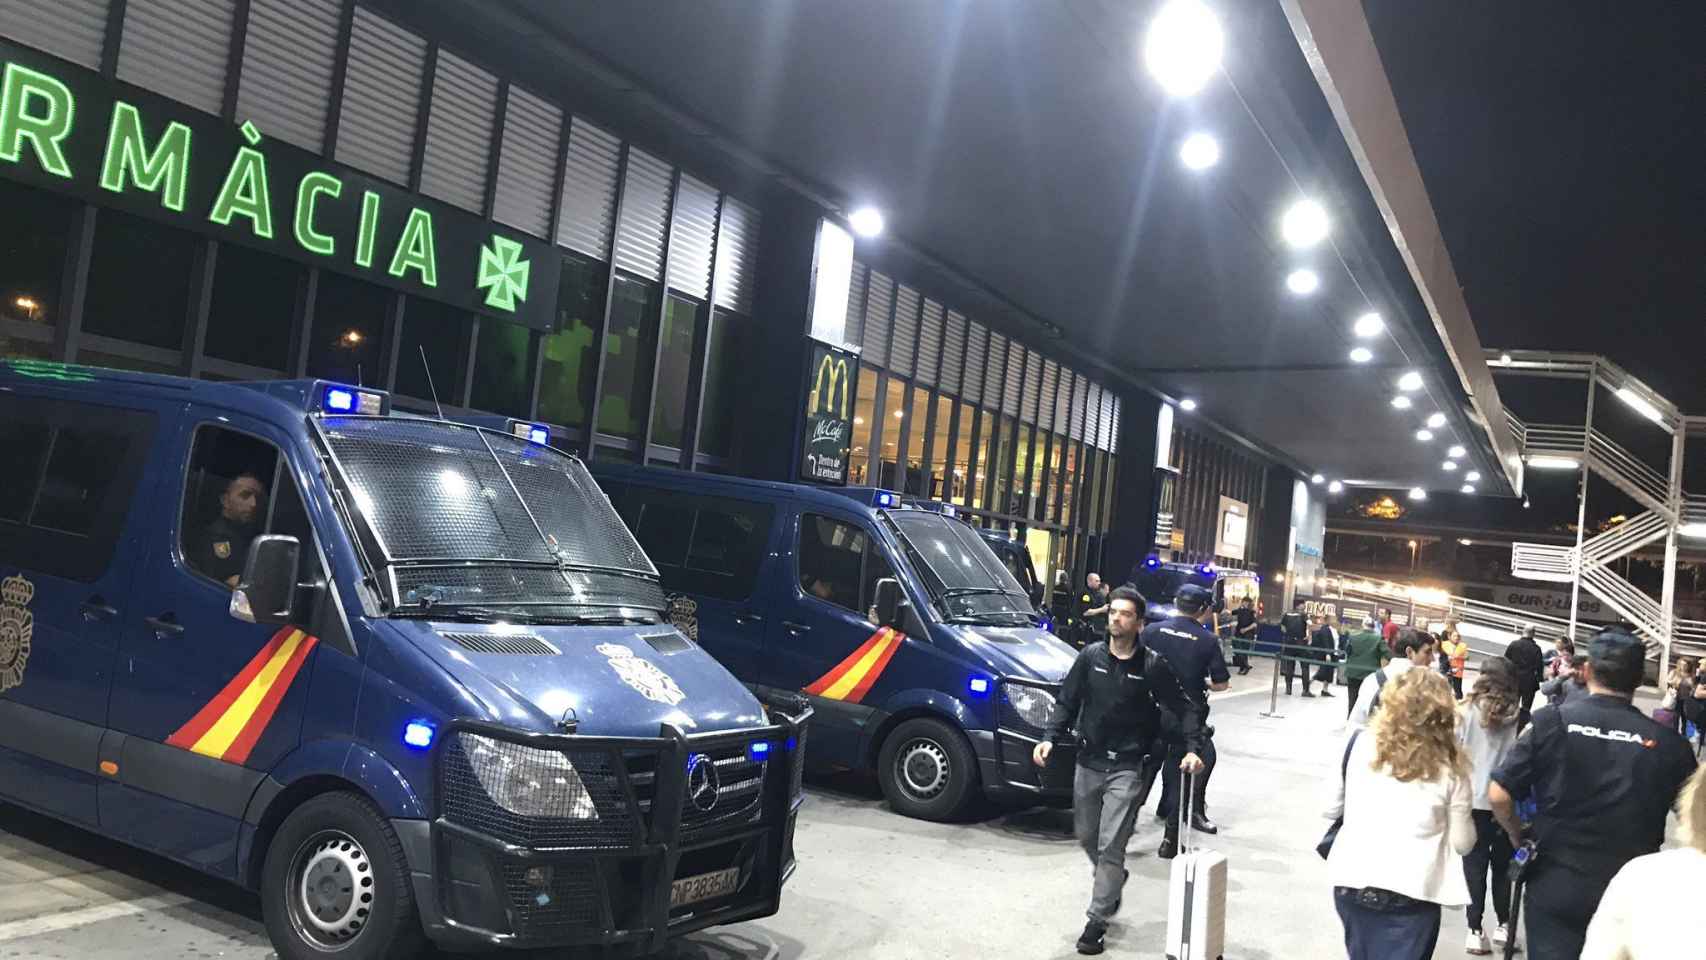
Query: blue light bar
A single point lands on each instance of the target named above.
(1206, 569)
(758, 749)
(419, 734)
(1152, 562)
(791, 744)
(339, 400)
(531, 432)
(979, 686)
(887, 500)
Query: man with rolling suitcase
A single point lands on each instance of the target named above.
(1113, 698)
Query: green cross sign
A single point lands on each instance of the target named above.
(503, 273)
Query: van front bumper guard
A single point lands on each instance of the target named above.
(1009, 770)
(638, 814)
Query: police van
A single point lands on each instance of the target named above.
(1159, 580)
(916, 648)
(401, 676)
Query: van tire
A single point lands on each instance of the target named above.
(365, 909)
(927, 770)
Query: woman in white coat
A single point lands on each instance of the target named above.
(1398, 857)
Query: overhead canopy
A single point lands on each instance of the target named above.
(1022, 145)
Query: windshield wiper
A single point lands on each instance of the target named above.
(989, 618)
(974, 592)
(465, 613)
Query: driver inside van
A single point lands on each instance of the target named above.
(221, 546)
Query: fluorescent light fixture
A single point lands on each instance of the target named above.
(1304, 224)
(1436, 420)
(1368, 325)
(1553, 463)
(1335, 487)
(866, 222)
(1199, 151)
(1302, 282)
(1457, 452)
(1473, 476)
(1417, 493)
(1467, 488)
(1361, 355)
(1640, 404)
(1187, 404)
(1694, 531)
(1183, 46)
(1317, 479)
(1424, 435)
(1448, 466)
(1410, 382)
(1401, 402)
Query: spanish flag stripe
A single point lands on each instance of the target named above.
(189, 733)
(876, 671)
(824, 682)
(245, 743)
(845, 683)
(219, 738)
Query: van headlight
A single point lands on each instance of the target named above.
(529, 782)
(1033, 704)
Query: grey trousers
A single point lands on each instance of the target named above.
(1104, 807)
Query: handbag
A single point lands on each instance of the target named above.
(1325, 847)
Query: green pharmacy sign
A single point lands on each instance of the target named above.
(67, 129)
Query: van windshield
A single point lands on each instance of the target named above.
(968, 582)
(482, 525)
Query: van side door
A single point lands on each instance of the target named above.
(77, 479)
(709, 551)
(207, 703)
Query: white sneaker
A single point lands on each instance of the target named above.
(1477, 944)
(1500, 935)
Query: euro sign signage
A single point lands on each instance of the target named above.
(67, 129)
(829, 415)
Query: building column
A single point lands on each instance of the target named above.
(1131, 536)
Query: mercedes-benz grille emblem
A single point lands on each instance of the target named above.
(702, 783)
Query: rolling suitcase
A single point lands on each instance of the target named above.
(1196, 898)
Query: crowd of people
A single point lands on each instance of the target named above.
(1451, 793)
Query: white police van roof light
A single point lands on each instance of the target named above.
(531, 432)
(341, 398)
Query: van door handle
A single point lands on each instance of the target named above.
(797, 629)
(164, 627)
(747, 619)
(96, 609)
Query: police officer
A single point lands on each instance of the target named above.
(1113, 698)
(1193, 651)
(1294, 626)
(220, 548)
(1092, 611)
(1604, 777)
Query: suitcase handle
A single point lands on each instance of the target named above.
(1187, 790)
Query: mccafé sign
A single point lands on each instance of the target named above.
(67, 129)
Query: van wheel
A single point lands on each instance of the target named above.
(335, 883)
(927, 770)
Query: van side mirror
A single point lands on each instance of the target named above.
(266, 593)
(890, 603)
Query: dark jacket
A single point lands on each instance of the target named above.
(1524, 654)
(1115, 706)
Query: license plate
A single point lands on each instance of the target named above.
(704, 886)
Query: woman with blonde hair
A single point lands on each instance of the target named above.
(1487, 731)
(1636, 919)
(1398, 855)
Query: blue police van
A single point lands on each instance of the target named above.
(403, 677)
(918, 652)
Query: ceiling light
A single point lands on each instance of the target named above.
(1412, 544)
(1456, 452)
(1199, 152)
(1187, 404)
(1335, 487)
(1369, 325)
(1417, 493)
(1695, 531)
(1553, 463)
(1448, 466)
(1465, 540)
(1436, 420)
(1302, 282)
(1304, 225)
(1504, 359)
(866, 221)
(1401, 402)
(1467, 488)
(1410, 381)
(1317, 479)
(1361, 355)
(1424, 435)
(900, 414)
(1473, 476)
(1640, 404)
(1183, 47)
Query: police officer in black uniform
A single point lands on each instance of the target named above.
(221, 547)
(1604, 777)
(1193, 651)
